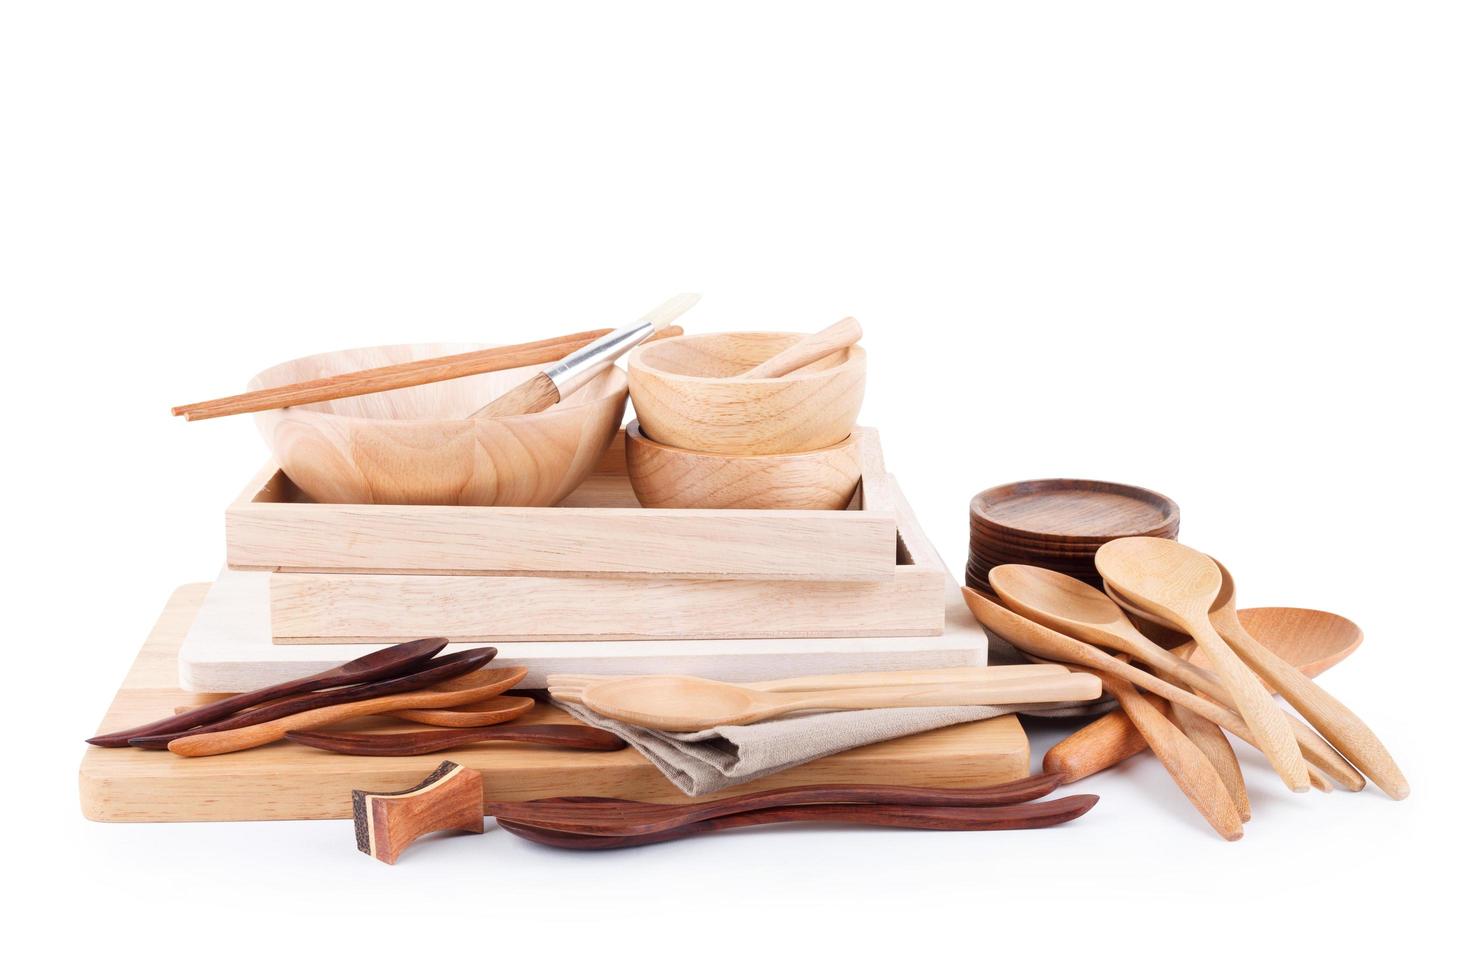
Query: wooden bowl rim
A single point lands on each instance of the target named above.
(559, 408)
(856, 356)
(635, 434)
(1164, 506)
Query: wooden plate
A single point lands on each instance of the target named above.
(1077, 511)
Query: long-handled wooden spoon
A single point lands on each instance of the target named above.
(436, 671)
(1179, 584)
(495, 711)
(1021, 816)
(612, 817)
(1309, 639)
(425, 742)
(1075, 608)
(1041, 641)
(690, 704)
(546, 388)
(388, 662)
(840, 336)
(1211, 741)
(462, 690)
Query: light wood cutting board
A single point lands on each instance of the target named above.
(292, 782)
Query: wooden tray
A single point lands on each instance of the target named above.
(353, 608)
(599, 530)
(291, 782)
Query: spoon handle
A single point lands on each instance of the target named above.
(1190, 769)
(1072, 686)
(1210, 740)
(1266, 721)
(1343, 729)
(424, 742)
(1098, 745)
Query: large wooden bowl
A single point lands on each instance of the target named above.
(663, 476)
(686, 397)
(417, 445)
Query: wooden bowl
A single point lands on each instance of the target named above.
(662, 476)
(417, 445)
(686, 398)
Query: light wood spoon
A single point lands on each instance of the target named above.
(1210, 740)
(1179, 584)
(1041, 641)
(840, 336)
(690, 704)
(462, 690)
(1309, 639)
(1075, 608)
(495, 711)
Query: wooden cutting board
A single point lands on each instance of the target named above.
(291, 782)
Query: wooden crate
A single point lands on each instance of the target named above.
(292, 782)
(599, 530)
(352, 608)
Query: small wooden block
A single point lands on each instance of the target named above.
(451, 798)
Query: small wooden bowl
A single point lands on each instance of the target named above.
(686, 397)
(662, 476)
(418, 446)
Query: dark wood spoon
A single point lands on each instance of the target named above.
(601, 816)
(436, 671)
(425, 742)
(388, 662)
(1022, 816)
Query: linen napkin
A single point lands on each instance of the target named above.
(728, 755)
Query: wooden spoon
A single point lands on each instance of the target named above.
(462, 690)
(1179, 584)
(1021, 816)
(1077, 609)
(436, 671)
(1311, 640)
(690, 704)
(840, 336)
(495, 711)
(426, 742)
(611, 817)
(388, 662)
(1040, 641)
(1211, 741)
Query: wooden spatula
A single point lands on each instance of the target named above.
(546, 388)
(840, 336)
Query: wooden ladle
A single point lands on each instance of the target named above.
(1075, 608)
(1343, 729)
(1041, 641)
(1178, 585)
(840, 336)
(690, 704)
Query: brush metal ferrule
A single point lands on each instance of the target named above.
(574, 370)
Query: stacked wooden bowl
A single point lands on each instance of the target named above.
(1060, 524)
(707, 437)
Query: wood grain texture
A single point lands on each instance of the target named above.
(1098, 745)
(600, 529)
(390, 377)
(423, 742)
(1211, 741)
(291, 782)
(820, 479)
(387, 822)
(493, 711)
(609, 817)
(831, 340)
(418, 445)
(686, 395)
(1072, 511)
(1020, 816)
(536, 394)
(1178, 584)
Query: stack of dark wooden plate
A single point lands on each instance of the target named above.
(1060, 524)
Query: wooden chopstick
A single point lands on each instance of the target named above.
(391, 377)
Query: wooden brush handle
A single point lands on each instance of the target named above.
(1274, 735)
(1191, 771)
(1344, 730)
(391, 377)
(1026, 690)
(593, 815)
(1210, 740)
(1021, 816)
(392, 744)
(234, 740)
(840, 336)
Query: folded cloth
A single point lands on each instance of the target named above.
(728, 755)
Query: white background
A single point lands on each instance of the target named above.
(1219, 250)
